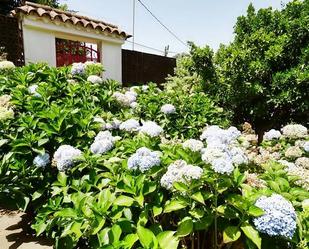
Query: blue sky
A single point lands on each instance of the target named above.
(201, 21)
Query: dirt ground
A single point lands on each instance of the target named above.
(15, 232)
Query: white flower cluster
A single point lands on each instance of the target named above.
(272, 134)
(144, 159)
(113, 125)
(42, 160)
(180, 171)
(221, 151)
(6, 65)
(33, 90)
(168, 109)
(78, 68)
(215, 136)
(5, 100)
(94, 79)
(65, 157)
(126, 99)
(293, 152)
(193, 145)
(103, 143)
(279, 218)
(129, 125)
(6, 112)
(151, 129)
(294, 131)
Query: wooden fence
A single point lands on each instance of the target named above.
(11, 39)
(140, 68)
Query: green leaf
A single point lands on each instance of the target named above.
(198, 197)
(62, 178)
(147, 238)
(129, 241)
(255, 211)
(42, 141)
(157, 211)
(167, 240)
(174, 205)
(252, 234)
(66, 212)
(37, 194)
(123, 200)
(180, 186)
(185, 227)
(231, 234)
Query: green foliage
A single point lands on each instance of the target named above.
(267, 63)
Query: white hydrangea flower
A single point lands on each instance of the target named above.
(293, 152)
(168, 109)
(41, 161)
(65, 157)
(238, 156)
(6, 113)
(272, 134)
(214, 135)
(94, 79)
(222, 166)
(294, 131)
(101, 146)
(5, 101)
(151, 129)
(302, 162)
(306, 146)
(144, 159)
(125, 99)
(193, 144)
(289, 166)
(180, 171)
(33, 90)
(210, 154)
(103, 135)
(130, 125)
(5, 65)
(145, 88)
(134, 105)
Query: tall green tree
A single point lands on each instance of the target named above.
(263, 75)
(8, 5)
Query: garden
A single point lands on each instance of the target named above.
(217, 157)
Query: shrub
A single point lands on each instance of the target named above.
(99, 172)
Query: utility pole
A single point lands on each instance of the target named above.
(133, 44)
(166, 50)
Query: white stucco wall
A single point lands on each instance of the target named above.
(39, 46)
(111, 58)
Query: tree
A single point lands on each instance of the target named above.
(8, 5)
(263, 75)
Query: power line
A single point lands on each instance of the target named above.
(155, 49)
(153, 15)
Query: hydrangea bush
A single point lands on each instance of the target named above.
(168, 172)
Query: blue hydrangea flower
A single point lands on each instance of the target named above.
(279, 218)
(41, 161)
(144, 159)
(306, 146)
(78, 68)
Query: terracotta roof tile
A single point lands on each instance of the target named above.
(64, 16)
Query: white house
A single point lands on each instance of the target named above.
(61, 37)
